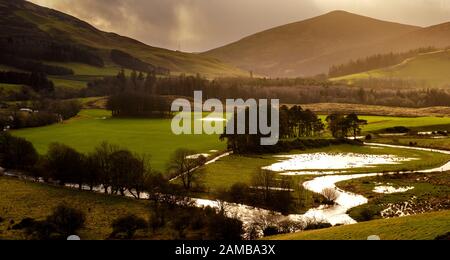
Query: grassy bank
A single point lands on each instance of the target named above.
(419, 227)
(21, 199)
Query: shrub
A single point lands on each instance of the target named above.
(25, 223)
(66, 220)
(271, 231)
(128, 226)
(223, 228)
(365, 213)
(317, 225)
(397, 129)
(63, 222)
(331, 195)
(239, 193)
(445, 236)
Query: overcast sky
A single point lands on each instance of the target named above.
(199, 25)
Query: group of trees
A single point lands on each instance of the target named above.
(39, 113)
(116, 170)
(49, 50)
(34, 66)
(138, 104)
(36, 80)
(375, 62)
(342, 126)
(296, 122)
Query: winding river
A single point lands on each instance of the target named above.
(336, 214)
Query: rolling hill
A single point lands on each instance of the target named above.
(308, 47)
(26, 26)
(430, 69)
(312, 46)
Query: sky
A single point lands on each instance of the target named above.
(200, 25)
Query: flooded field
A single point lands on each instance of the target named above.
(319, 162)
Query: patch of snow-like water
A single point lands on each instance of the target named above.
(196, 156)
(384, 189)
(298, 173)
(329, 161)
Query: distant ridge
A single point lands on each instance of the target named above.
(311, 46)
(24, 21)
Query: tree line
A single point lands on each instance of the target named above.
(295, 124)
(38, 113)
(34, 66)
(36, 80)
(375, 62)
(390, 92)
(49, 50)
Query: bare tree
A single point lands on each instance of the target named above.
(183, 165)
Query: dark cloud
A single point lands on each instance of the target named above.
(198, 25)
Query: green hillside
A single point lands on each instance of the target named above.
(419, 227)
(38, 25)
(429, 70)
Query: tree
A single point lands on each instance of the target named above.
(264, 181)
(65, 164)
(183, 164)
(128, 226)
(17, 153)
(124, 168)
(338, 125)
(354, 123)
(101, 164)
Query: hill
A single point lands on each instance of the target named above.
(419, 227)
(429, 70)
(32, 31)
(311, 46)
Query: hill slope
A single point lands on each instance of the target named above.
(419, 227)
(28, 24)
(430, 70)
(309, 47)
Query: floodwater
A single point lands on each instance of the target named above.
(336, 214)
(330, 161)
(389, 189)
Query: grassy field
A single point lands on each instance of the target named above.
(146, 136)
(233, 169)
(83, 74)
(419, 227)
(443, 143)
(377, 123)
(360, 109)
(20, 199)
(8, 88)
(430, 69)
